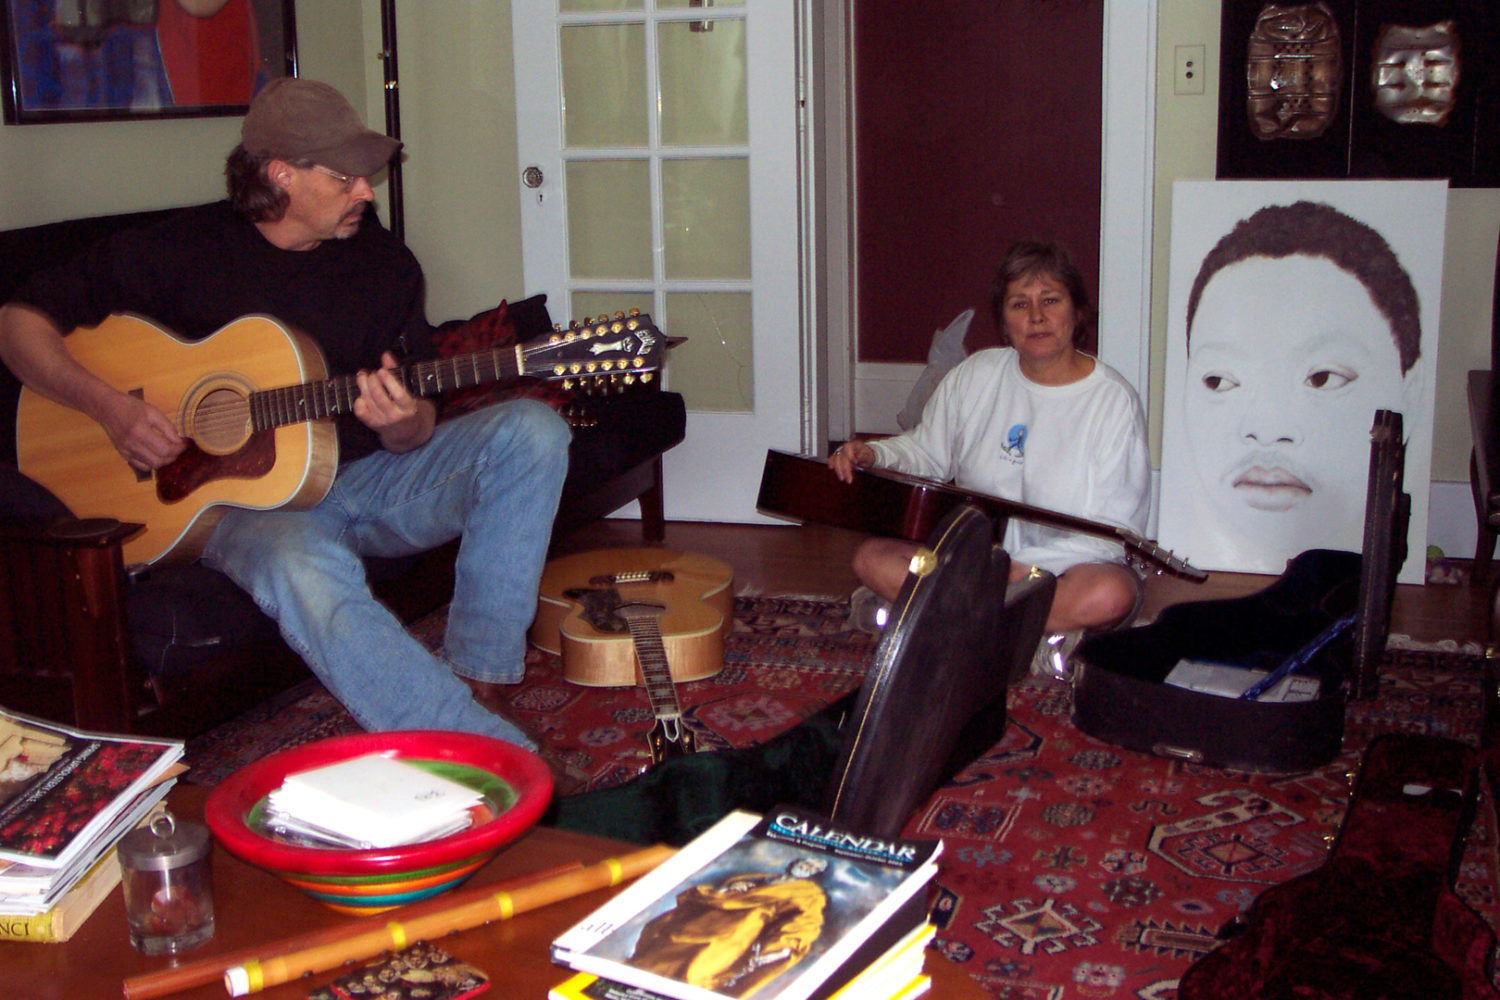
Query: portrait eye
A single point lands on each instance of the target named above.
(1329, 378)
(1215, 382)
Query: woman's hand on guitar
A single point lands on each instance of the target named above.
(850, 456)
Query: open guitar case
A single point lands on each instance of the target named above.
(1330, 610)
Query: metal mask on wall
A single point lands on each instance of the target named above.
(1415, 72)
(1294, 71)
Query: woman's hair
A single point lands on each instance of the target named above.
(1315, 229)
(251, 192)
(1028, 258)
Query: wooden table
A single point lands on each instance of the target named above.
(253, 907)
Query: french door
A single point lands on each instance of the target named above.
(658, 144)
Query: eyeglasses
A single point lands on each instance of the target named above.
(344, 179)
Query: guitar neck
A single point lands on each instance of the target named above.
(651, 653)
(292, 404)
(625, 347)
(881, 501)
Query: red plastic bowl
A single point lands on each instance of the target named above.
(232, 803)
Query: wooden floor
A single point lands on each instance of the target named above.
(814, 560)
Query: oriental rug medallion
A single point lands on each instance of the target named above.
(1072, 868)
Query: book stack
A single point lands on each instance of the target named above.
(369, 801)
(787, 906)
(66, 798)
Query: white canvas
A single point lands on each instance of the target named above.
(1266, 419)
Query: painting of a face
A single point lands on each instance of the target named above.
(1279, 398)
(1298, 310)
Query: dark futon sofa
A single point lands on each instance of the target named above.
(176, 649)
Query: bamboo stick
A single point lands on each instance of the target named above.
(209, 970)
(281, 965)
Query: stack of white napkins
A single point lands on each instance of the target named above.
(370, 801)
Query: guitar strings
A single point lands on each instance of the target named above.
(214, 418)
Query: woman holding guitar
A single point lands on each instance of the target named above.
(1039, 422)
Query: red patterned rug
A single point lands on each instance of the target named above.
(1078, 869)
(1073, 868)
(787, 658)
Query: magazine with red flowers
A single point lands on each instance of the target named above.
(64, 791)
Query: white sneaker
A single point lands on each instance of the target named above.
(1051, 657)
(867, 612)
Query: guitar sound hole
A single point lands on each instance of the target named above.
(221, 421)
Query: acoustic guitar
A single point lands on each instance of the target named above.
(255, 402)
(885, 502)
(628, 616)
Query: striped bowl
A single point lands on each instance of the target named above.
(516, 787)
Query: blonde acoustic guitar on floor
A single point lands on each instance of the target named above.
(638, 616)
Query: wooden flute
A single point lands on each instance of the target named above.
(422, 916)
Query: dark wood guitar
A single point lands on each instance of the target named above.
(883, 502)
(255, 401)
(645, 616)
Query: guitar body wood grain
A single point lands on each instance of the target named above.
(698, 602)
(70, 454)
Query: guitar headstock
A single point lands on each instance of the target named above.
(1149, 555)
(618, 351)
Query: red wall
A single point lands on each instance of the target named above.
(977, 123)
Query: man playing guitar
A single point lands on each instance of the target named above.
(295, 242)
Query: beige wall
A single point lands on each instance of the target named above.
(459, 176)
(457, 120)
(1186, 131)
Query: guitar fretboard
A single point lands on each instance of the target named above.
(294, 404)
(625, 347)
(651, 653)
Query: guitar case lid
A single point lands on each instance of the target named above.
(934, 697)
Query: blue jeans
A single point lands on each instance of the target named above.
(492, 476)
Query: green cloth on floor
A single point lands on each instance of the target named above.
(683, 796)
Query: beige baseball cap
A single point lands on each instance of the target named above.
(296, 119)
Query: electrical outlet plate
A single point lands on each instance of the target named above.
(1188, 69)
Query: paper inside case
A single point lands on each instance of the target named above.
(1230, 682)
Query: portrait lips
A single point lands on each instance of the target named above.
(1264, 482)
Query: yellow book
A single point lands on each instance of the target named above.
(59, 923)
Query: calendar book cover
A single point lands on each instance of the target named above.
(770, 907)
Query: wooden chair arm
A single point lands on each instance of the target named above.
(64, 647)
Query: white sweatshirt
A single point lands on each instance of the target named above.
(1076, 449)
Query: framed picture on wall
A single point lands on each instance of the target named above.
(123, 60)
